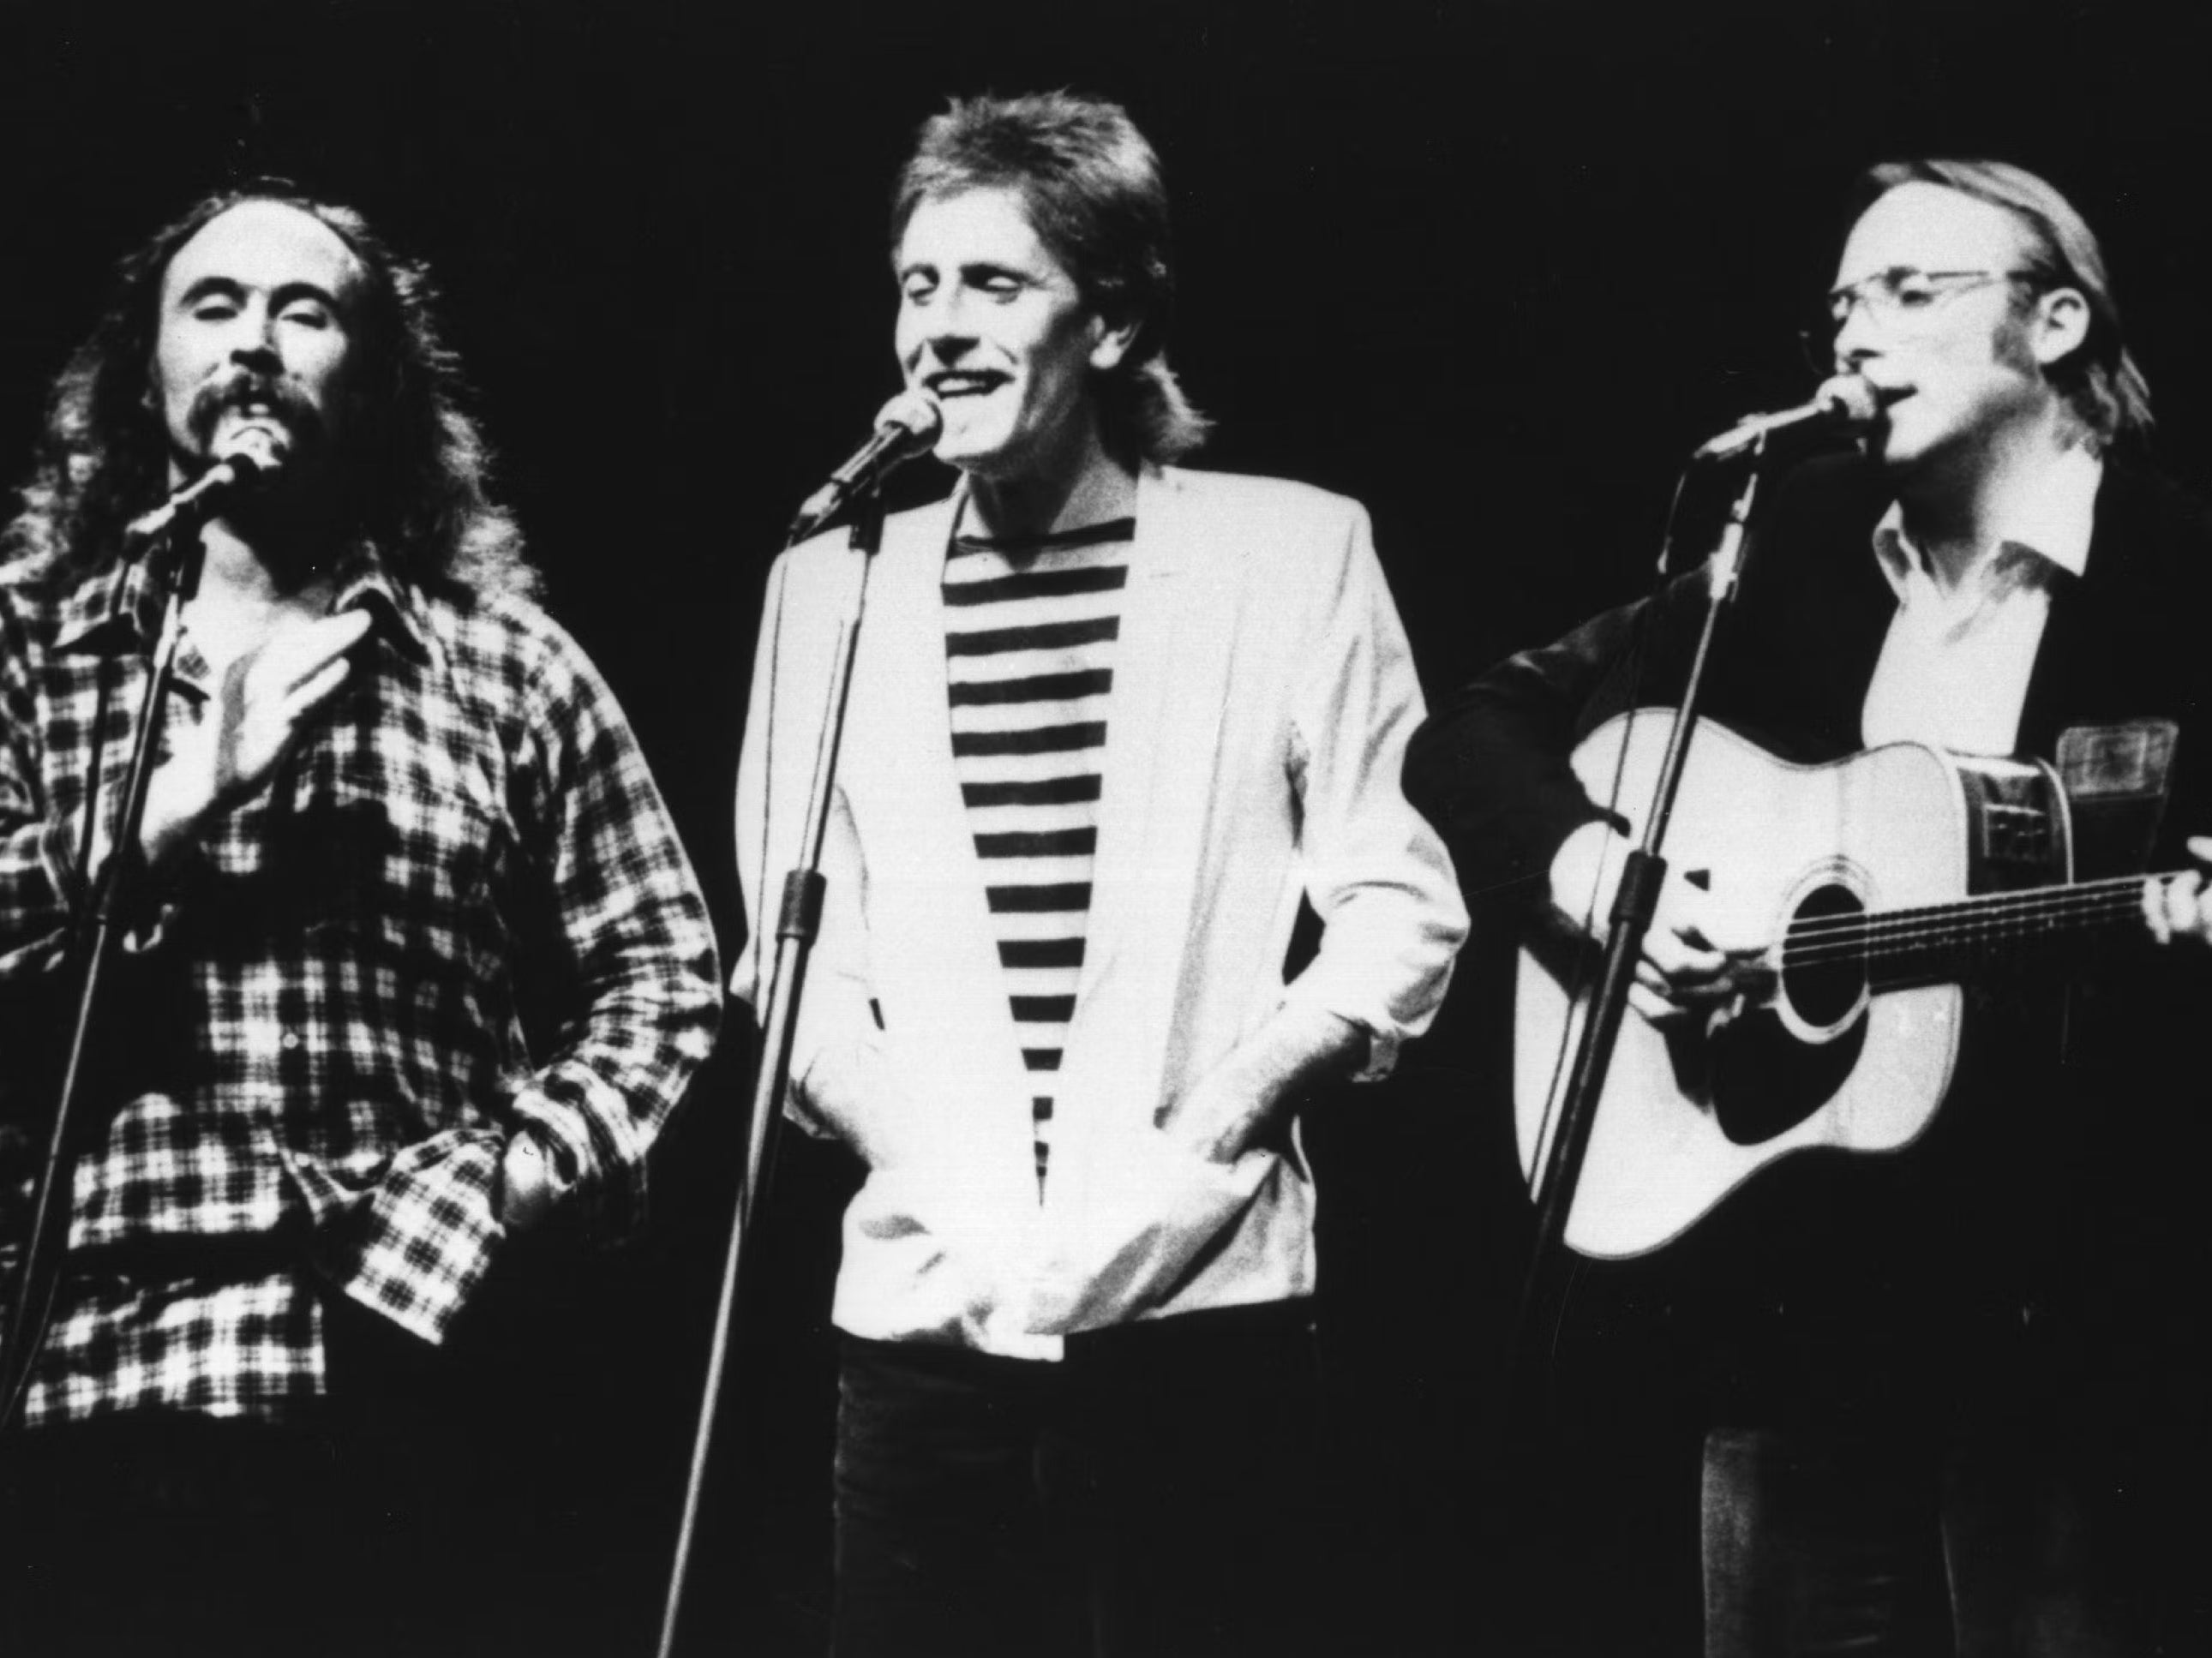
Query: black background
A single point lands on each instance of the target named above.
(1492, 268)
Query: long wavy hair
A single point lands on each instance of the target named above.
(414, 470)
(1091, 185)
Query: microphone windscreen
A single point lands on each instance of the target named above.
(914, 412)
(1850, 398)
(250, 452)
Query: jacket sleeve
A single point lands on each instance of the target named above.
(1489, 768)
(1376, 873)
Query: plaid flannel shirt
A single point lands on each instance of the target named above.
(317, 1028)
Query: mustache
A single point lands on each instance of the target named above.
(300, 418)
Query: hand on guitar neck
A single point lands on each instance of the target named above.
(1692, 964)
(2180, 905)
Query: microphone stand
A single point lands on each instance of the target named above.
(1635, 901)
(799, 921)
(38, 1276)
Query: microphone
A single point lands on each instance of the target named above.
(905, 427)
(231, 476)
(1848, 400)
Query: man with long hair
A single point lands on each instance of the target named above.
(327, 1102)
(1926, 1371)
(1111, 721)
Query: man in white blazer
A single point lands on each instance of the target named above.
(1110, 722)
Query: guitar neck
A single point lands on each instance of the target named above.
(1902, 946)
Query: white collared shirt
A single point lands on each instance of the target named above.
(1954, 667)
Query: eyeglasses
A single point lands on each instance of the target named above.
(1900, 301)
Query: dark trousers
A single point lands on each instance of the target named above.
(182, 1534)
(344, 1532)
(1154, 1493)
(1819, 1544)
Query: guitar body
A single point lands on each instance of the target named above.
(1821, 1054)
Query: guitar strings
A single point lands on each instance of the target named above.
(1997, 915)
(1994, 903)
(2052, 918)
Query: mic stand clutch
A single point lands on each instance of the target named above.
(92, 937)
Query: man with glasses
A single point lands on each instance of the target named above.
(1922, 1363)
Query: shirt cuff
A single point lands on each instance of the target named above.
(416, 1243)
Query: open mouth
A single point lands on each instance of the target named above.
(945, 388)
(251, 401)
(261, 417)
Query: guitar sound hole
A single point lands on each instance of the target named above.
(1827, 987)
(1765, 1079)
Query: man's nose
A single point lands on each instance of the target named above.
(951, 324)
(256, 346)
(1856, 338)
(945, 348)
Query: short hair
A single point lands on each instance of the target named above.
(1090, 185)
(2099, 379)
(414, 467)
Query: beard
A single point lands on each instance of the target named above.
(301, 505)
(305, 429)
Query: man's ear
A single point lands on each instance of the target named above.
(2060, 326)
(1113, 343)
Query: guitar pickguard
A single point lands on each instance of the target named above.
(1765, 1079)
(1769, 1063)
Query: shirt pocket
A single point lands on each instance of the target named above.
(394, 853)
(390, 851)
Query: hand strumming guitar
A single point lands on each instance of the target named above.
(1691, 963)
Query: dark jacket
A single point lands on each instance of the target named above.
(2047, 1198)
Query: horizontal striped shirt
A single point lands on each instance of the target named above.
(1029, 638)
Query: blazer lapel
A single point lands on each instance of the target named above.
(1158, 793)
(937, 958)
(2089, 662)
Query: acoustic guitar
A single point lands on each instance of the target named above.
(1873, 888)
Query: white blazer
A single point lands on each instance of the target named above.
(1262, 700)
